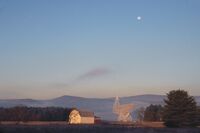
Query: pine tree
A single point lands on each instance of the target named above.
(153, 113)
(180, 110)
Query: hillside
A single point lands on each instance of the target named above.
(101, 107)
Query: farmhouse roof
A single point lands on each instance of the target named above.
(86, 113)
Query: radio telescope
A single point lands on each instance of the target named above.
(122, 110)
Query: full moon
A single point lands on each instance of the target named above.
(139, 17)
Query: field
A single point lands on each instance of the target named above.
(62, 127)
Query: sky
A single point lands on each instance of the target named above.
(98, 48)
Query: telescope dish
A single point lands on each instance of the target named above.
(123, 110)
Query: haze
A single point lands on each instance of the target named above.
(98, 48)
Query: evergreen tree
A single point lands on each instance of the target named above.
(140, 114)
(198, 111)
(153, 113)
(180, 110)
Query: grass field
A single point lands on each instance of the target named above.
(63, 127)
(151, 124)
(34, 123)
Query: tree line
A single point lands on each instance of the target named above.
(180, 110)
(23, 113)
(150, 113)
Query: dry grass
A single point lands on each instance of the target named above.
(150, 124)
(141, 124)
(91, 129)
(34, 123)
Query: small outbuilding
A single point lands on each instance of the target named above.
(81, 117)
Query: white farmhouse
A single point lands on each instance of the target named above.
(81, 117)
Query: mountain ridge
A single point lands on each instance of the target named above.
(101, 106)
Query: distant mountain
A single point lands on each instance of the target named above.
(101, 106)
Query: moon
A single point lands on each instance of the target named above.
(139, 17)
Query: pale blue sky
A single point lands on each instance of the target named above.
(98, 48)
